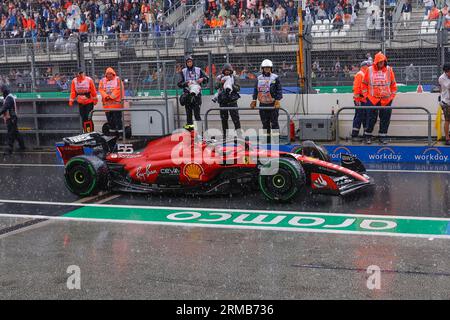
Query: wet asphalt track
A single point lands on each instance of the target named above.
(172, 262)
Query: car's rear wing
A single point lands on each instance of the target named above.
(84, 144)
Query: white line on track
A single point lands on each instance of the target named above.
(75, 204)
(215, 226)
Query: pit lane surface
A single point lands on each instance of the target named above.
(127, 260)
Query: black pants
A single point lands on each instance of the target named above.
(13, 134)
(193, 108)
(372, 115)
(269, 118)
(234, 117)
(85, 109)
(115, 121)
(359, 119)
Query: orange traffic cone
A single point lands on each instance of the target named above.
(419, 89)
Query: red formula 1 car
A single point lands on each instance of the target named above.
(182, 163)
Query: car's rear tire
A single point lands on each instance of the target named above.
(286, 183)
(86, 175)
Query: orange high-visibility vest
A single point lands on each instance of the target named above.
(113, 89)
(83, 91)
(379, 85)
(358, 95)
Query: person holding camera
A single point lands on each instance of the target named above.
(191, 78)
(228, 95)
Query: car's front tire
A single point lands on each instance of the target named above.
(86, 175)
(286, 183)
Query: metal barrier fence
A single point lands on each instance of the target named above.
(384, 108)
(288, 116)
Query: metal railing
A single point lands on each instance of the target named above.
(356, 36)
(406, 75)
(123, 110)
(384, 108)
(247, 109)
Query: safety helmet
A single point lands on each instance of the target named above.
(189, 58)
(267, 64)
(227, 66)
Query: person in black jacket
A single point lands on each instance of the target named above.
(8, 112)
(190, 101)
(228, 95)
(268, 92)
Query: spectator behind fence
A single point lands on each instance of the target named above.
(337, 22)
(406, 11)
(434, 14)
(410, 73)
(428, 6)
(371, 24)
(86, 16)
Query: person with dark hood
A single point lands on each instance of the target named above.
(268, 92)
(9, 114)
(228, 95)
(191, 76)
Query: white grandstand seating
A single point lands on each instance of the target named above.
(322, 28)
(423, 30)
(326, 21)
(318, 21)
(433, 24)
(431, 30)
(334, 34)
(325, 34)
(366, 4)
(342, 33)
(314, 28)
(425, 17)
(346, 27)
(425, 24)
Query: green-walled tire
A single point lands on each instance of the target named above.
(86, 175)
(286, 183)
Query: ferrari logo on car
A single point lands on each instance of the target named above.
(320, 182)
(193, 171)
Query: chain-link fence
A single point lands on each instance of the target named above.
(416, 49)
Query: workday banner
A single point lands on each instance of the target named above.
(392, 154)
